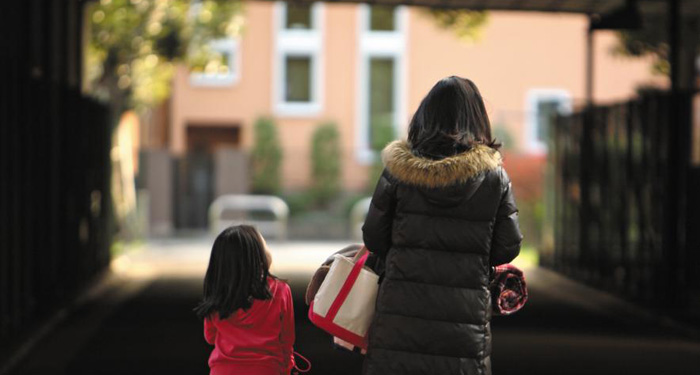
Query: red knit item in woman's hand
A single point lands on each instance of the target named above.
(508, 290)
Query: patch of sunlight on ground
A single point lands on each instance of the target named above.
(190, 257)
(121, 247)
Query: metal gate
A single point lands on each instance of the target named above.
(194, 190)
(622, 185)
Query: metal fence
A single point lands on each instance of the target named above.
(622, 187)
(54, 168)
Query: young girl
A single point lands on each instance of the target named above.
(248, 313)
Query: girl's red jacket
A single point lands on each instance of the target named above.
(258, 341)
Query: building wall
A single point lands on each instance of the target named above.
(518, 52)
(240, 103)
(251, 96)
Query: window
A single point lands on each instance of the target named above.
(298, 58)
(546, 112)
(381, 99)
(298, 79)
(382, 68)
(382, 18)
(221, 66)
(543, 105)
(298, 16)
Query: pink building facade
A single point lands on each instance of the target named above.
(355, 65)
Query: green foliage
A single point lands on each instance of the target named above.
(503, 136)
(531, 219)
(121, 247)
(529, 257)
(382, 134)
(266, 158)
(647, 41)
(467, 24)
(349, 203)
(325, 163)
(299, 202)
(134, 43)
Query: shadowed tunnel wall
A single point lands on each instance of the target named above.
(54, 167)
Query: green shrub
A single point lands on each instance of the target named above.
(503, 136)
(266, 158)
(325, 163)
(531, 221)
(349, 202)
(382, 134)
(299, 202)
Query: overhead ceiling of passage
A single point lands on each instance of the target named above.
(568, 6)
(559, 6)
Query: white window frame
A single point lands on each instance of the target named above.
(298, 43)
(533, 98)
(231, 46)
(380, 44)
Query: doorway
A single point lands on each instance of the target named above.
(195, 172)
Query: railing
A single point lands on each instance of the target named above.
(621, 183)
(267, 213)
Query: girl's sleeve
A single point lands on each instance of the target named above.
(376, 232)
(287, 334)
(209, 331)
(506, 231)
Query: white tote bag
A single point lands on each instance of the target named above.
(344, 303)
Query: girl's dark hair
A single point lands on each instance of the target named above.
(237, 273)
(451, 119)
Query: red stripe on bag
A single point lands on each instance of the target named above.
(326, 322)
(347, 287)
(336, 330)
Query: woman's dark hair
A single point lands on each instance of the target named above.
(451, 119)
(237, 273)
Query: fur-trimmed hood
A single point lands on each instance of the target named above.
(402, 164)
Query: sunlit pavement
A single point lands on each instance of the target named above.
(140, 321)
(189, 257)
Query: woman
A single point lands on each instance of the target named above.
(442, 214)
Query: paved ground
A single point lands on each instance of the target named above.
(140, 321)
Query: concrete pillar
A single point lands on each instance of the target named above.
(230, 172)
(157, 177)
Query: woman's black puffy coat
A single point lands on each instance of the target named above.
(439, 225)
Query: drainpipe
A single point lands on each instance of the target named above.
(590, 68)
(585, 256)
